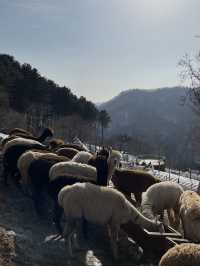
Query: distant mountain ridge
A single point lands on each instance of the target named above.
(133, 107)
(157, 116)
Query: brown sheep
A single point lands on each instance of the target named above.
(55, 144)
(182, 255)
(69, 152)
(190, 215)
(16, 131)
(47, 132)
(133, 181)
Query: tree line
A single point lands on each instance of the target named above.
(42, 102)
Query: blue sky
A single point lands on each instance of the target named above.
(99, 48)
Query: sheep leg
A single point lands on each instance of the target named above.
(78, 225)
(162, 215)
(5, 171)
(176, 216)
(128, 197)
(75, 241)
(113, 240)
(68, 235)
(5, 179)
(16, 177)
(183, 226)
(58, 211)
(70, 252)
(138, 197)
(37, 199)
(5, 174)
(170, 216)
(85, 228)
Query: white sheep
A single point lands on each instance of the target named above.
(113, 162)
(19, 141)
(100, 205)
(25, 161)
(190, 215)
(75, 170)
(182, 255)
(162, 196)
(67, 173)
(82, 157)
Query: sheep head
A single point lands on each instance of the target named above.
(104, 152)
(48, 132)
(160, 226)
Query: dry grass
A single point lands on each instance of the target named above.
(7, 248)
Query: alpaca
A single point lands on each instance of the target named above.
(109, 207)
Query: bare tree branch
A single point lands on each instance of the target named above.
(190, 74)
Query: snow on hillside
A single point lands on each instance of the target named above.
(185, 182)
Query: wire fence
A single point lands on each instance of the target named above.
(189, 180)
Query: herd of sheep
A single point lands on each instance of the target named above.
(77, 183)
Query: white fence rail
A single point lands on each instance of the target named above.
(185, 182)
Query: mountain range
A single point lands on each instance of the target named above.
(160, 117)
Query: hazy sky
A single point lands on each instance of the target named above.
(99, 48)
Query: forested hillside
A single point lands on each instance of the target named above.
(32, 101)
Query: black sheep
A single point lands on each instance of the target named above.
(41, 181)
(12, 154)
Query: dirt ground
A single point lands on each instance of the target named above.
(27, 240)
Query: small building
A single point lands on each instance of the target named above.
(157, 164)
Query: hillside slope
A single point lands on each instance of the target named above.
(156, 116)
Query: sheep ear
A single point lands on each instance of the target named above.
(161, 228)
(109, 153)
(110, 149)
